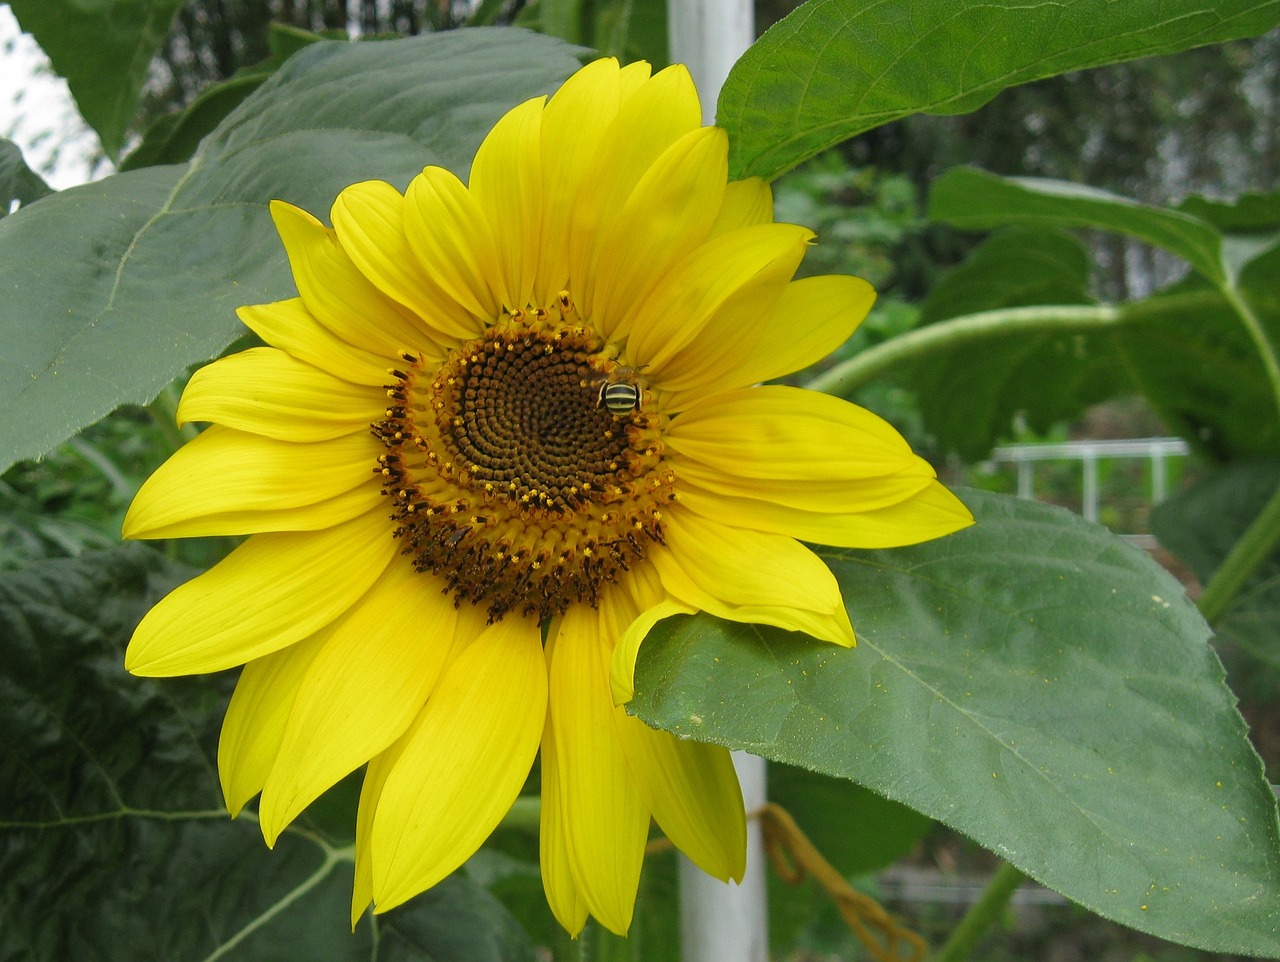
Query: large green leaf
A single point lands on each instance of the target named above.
(1184, 348)
(112, 289)
(19, 184)
(1033, 682)
(103, 48)
(834, 68)
(113, 841)
(977, 200)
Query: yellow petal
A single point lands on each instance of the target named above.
(729, 284)
(823, 497)
(746, 203)
(289, 326)
(369, 219)
(653, 115)
(573, 126)
(506, 181)
(666, 217)
(605, 821)
(634, 76)
(750, 576)
(693, 792)
(336, 293)
(268, 392)
(814, 316)
(787, 433)
(905, 510)
(450, 235)
(228, 482)
(463, 762)
(256, 717)
(553, 847)
(369, 681)
(273, 590)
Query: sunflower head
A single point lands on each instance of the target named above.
(526, 467)
(527, 405)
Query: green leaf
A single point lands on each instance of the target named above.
(834, 68)
(1247, 213)
(113, 841)
(19, 184)
(173, 138)
(1034, 683)
(1202, 524)
(103, 48)
(1013, 268)
(1184, 349)
(977, 200)
(111, 290)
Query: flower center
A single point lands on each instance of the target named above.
(525, 469)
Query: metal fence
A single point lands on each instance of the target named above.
(1090, 453)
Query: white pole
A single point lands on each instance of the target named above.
(719, 922)
(729, 923)
(708, 36)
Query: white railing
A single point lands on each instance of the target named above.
(1089, 453)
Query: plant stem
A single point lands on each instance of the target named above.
(980, 917)
(989, 325)
(164, 415)
(1249, 551)
(933, 338)
(1259, 337)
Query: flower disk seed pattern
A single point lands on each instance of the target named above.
(511, 479)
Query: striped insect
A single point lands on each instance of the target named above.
(620, 391)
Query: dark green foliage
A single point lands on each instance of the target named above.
(113, 840)
(1202, 524)
(1185, 348)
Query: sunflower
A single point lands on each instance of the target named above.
(506, 427)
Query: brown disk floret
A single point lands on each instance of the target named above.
(511, 479)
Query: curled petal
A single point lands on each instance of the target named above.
(751, 576)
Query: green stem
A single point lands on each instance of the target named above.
(1253, 547)
(989, 325)
(1259, 337)
(990, 905)
(944, 335)
(164, 415)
